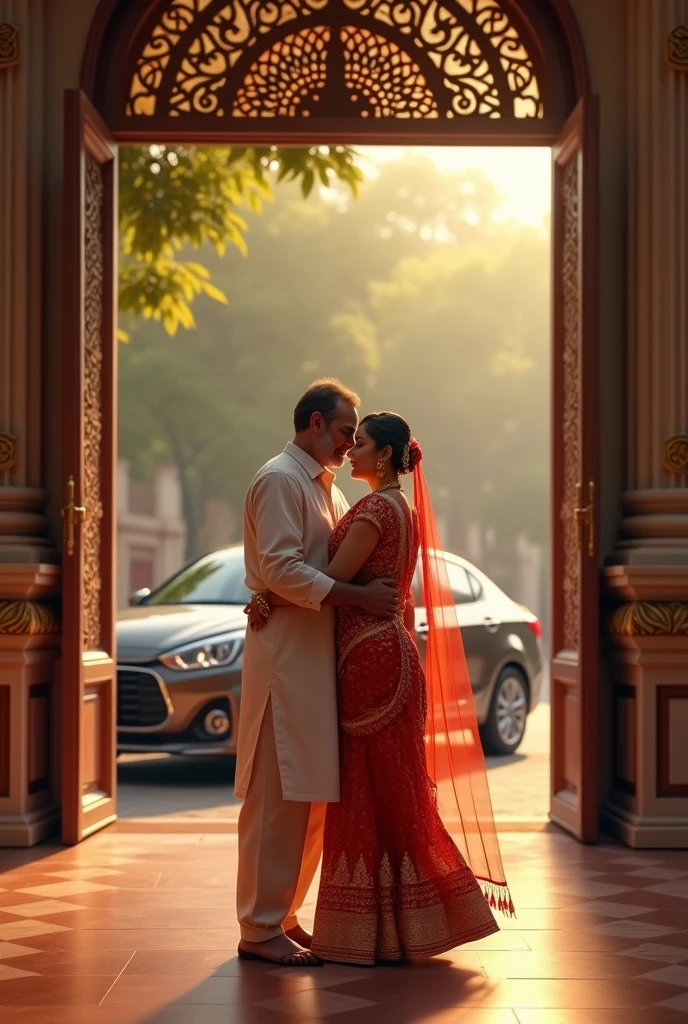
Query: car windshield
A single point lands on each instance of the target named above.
(214, 579)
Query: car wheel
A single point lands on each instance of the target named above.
(505, 727)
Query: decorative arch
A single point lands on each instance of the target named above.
(354, 69)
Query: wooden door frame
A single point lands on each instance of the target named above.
(573, 664)
(87, 675)
(536, 134)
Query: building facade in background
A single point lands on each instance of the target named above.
(151, 534)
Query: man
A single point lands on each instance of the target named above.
(288, 755)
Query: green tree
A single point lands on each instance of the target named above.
(462, 347)
(175, 197)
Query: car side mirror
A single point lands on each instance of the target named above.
(138, 596)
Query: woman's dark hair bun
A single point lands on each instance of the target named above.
(388, 428)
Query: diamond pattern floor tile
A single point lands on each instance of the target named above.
(28, 929)
(314, 1004)
(601, 937)
(71, 888)
(660, 874)
(679, 1003)
(677, 889)
(635, 861)
(607, 909)
(8, 973)
(634, 929)
(673, 975)
(589, 890)
(41, 908)
(329, 976)
(658, 952)
(83, 874)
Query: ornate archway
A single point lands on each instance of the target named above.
(435, 70)
(296, 72)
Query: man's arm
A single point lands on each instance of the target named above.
(278, 520)
(379, 597)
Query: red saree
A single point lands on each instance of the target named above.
(394, 885)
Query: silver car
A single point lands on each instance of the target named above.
(503, 646)
(180, 656)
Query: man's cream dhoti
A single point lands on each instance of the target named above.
(288, 753)
(280, 843)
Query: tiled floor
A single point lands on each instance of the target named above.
(131, 928)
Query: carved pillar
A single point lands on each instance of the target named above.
(647, 577)
(29, 573)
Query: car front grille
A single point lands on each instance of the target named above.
(140, 701)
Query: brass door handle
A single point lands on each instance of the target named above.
(72, 514)
(585, 515)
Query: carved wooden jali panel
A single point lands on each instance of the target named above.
(93, 403)
(570, 298)
(88, 668)
(364, 58)
(574, 665)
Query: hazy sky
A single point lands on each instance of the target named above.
(522, 175)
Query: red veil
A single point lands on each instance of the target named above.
(455, 758)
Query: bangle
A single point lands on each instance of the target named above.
(263, 605)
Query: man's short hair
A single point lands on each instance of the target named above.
(322, 396)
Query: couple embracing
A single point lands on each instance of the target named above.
(344, 751)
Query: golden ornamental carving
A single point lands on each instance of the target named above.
(27, 618)
(8, 452)
(93, 403)
(325, 58)
(676, 454)
(9, 46)
(650, 618)
(678, 48)
(571, 411)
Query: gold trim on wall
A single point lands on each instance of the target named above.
(8, 450)
(650, 618)
(9, 46)
(678, 48)
(676, 454)
(27, 618)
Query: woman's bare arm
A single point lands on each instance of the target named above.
(354, 551)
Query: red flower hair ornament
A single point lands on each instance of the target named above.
(413, 453)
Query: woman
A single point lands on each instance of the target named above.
(394, 885)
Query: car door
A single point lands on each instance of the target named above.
(477, 627)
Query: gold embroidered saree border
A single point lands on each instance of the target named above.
(395, 924)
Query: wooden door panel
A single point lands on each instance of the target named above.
(575, 599)
(88, 670)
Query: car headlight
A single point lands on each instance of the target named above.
(215, 652)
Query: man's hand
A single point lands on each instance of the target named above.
(381, 598)
(256, 620)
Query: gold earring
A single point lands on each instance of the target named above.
(381, 468)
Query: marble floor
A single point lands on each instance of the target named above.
(134, 927)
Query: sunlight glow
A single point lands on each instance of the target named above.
(522, 174)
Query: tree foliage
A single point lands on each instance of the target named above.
(173, 198)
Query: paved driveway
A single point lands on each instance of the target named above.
(159, 786)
